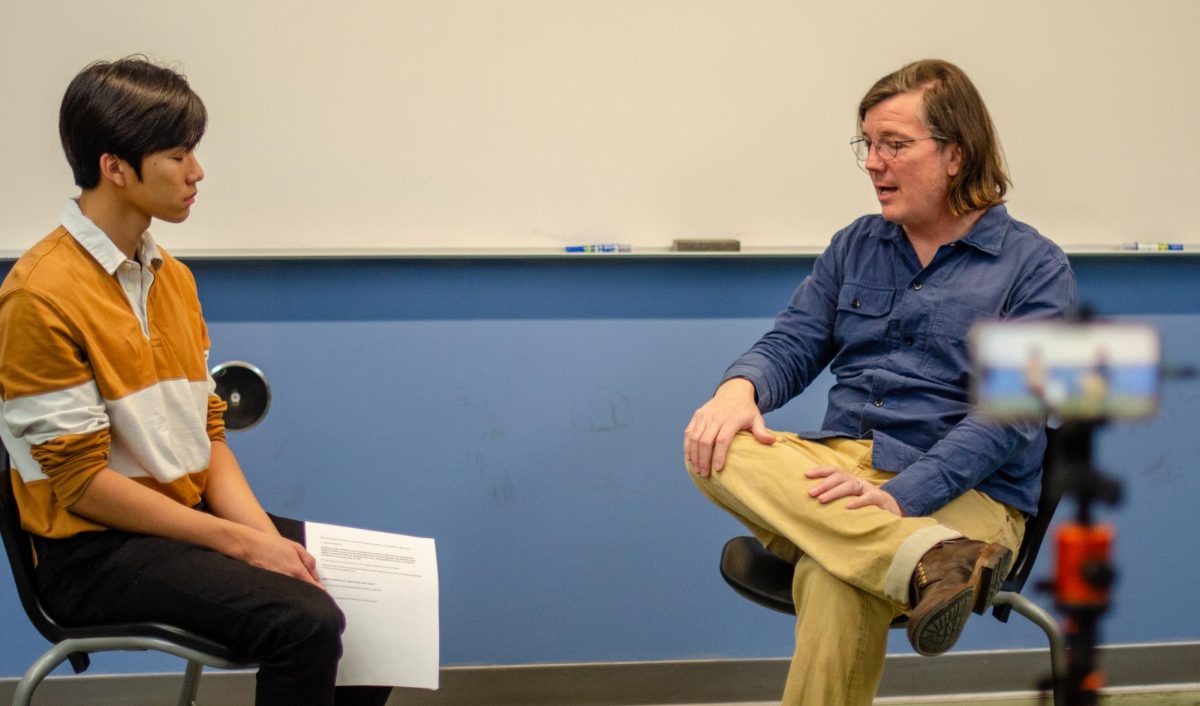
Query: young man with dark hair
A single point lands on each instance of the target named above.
(906, 500)
(139, 509)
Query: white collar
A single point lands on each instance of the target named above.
(100, 246)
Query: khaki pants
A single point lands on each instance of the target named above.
(852, 566)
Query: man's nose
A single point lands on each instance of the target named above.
(874, 162)
(195, 171)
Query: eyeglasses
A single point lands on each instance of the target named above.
(887, 148)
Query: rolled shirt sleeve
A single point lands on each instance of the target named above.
(51, 403)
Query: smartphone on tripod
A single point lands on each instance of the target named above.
(1068, 370)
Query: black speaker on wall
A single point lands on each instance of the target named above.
(245, 390)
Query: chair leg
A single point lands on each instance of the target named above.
(37, 671)
(1039, 617)
(191, 683)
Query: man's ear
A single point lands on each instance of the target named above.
(954, 164)
(115, 169)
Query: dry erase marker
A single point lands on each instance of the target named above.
(1152, 247)
(600, 247)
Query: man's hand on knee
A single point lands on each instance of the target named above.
(840, 484)
(707, 437)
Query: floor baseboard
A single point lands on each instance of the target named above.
(655, 682)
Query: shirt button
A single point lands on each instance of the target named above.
(917, 285)
(856, 303)
(909, 340)
(878, 403)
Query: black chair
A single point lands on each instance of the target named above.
(760, 576)
(74, 643)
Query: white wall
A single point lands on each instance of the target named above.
(482, 124)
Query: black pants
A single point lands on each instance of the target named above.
(291, 628)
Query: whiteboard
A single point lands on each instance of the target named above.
(491, 125)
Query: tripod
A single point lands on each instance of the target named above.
(1083, 565)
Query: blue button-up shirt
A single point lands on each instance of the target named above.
(894, 335)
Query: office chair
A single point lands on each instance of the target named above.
(763, 578)
(74, 643)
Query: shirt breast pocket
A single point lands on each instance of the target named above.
(946, 357)
(862, 314)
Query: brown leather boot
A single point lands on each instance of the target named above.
(952, 579)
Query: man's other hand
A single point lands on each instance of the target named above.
(840, 484)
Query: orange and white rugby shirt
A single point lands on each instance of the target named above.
(103, 362)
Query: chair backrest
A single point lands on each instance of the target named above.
(19, 548)
(1035, 528)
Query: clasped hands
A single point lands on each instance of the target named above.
(268, 550)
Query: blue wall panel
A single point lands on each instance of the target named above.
(528, 415)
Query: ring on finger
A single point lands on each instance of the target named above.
(860, 487)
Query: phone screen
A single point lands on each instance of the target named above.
(1092, 370)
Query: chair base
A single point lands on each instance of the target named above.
(1039, 617)
(61, 651)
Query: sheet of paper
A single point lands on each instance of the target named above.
(387, 586)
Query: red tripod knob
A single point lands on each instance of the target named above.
(1084, 572)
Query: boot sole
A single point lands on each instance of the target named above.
(937, 631)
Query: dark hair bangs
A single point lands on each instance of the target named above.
(178, 121)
